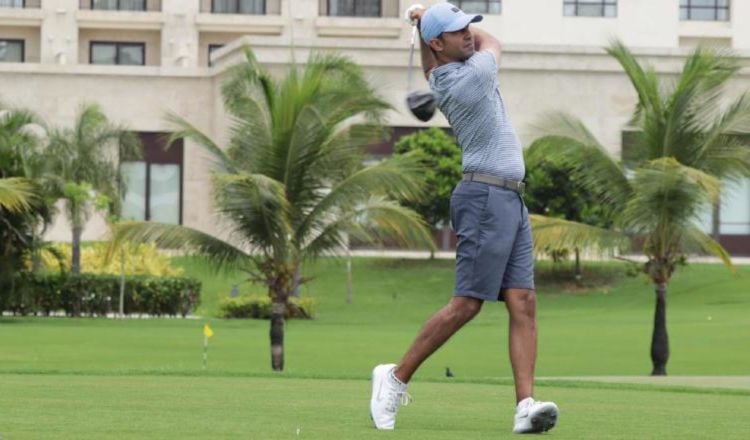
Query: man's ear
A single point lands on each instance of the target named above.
(437, 45)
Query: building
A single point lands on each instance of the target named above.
(140, 59)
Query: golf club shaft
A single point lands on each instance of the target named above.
(410, 81)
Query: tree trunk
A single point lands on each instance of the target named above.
(277, 335)
(578, 265)
(76, 249)
(446, 236)
(349, 290)
(36, 253)
(296, 281)
(121, 308)
(716, 222)
(660, 339)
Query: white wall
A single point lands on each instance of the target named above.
(550, 62)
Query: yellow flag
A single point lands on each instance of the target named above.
(207, 331)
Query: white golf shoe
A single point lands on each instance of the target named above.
(532, 416)
(387, 395)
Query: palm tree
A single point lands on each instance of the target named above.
(86, 162)
(290, 185)
(687, 142)
(25, 201)
(15, 194)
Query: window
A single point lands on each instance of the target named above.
(354, 8)
(481, 6)
(119, 5)
(238, 7)
(118, 53)
(153, 185)
(707, 10)
(12, 3)
(590, 8)
(735, 208)
(12, 51)
(211, 49)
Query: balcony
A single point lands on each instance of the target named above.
(21, 13)
(120, 14)
(21, 4)
(359, 8)
(359, 19)
(256, 17)
(241, 7)
(121, 5)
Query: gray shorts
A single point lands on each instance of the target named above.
(494, 241)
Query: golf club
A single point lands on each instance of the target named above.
(422, 104)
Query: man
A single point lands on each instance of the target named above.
(494, 256)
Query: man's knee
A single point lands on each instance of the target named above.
(465, 308)
(521, 304)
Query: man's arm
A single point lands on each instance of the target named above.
(484, 41)
(428, 58)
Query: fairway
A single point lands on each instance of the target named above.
(74, 407)
(143, 378)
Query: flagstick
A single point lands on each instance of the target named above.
(205, 351)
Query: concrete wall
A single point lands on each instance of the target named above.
(31, 37)
(550, 62)
(152, 40)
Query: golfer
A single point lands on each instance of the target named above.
(494, 259)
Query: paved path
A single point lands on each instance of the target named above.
(418, 255)
(733, 382)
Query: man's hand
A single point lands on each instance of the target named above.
(414, 14)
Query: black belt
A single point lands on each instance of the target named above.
(513, 185)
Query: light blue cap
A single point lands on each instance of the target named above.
(444, 17)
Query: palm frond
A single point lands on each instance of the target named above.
(724, 150)
(182, 129)
(645, 81)
(220, 254)
(395, 177)
(564, 139)
(249, 93)
(552, 232)
(257, 206)
(695, 102)
(696, 240)
(666, 192)
(376, 220)
(16, 194)
(249, 86)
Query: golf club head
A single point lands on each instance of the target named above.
(422, 104)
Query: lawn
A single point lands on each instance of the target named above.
(101, 407)
(93, 377)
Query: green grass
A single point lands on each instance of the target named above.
(75, 407)
(91, 378)
(601, 332)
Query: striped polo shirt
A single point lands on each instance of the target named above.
(469, 97)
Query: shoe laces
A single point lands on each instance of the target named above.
(525, 406)
(398, 398)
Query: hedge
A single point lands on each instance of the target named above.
(97, 295)
(259, 307)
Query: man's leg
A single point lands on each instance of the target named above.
(531, 415)
(435, 332)
(521, 305)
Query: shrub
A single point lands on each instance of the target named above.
(140, 259)
(97, 295)
(259, 307)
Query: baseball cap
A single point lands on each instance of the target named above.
(444, 17)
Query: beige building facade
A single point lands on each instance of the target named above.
(140, 59)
